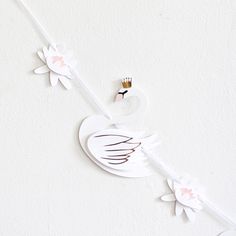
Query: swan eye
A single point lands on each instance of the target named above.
(123, 93)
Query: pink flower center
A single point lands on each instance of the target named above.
(188, 192)
(59, 60)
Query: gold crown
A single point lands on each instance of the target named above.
(127, 82)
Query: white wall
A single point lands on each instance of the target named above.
(182, 53)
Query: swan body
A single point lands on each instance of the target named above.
(113, 146)
(118, 151)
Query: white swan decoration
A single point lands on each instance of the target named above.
(112, 146)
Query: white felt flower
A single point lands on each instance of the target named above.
(186, 195)
(58, 63)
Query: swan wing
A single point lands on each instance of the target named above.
(119, 150)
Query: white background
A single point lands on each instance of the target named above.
(182, 53)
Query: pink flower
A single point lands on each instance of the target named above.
(58, 63)
(186, 195)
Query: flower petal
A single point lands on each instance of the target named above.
(178, 209)
(42, 69)
(191, 215)
(53, 78)
(41, 56)
(45, 52)
(170, 184)
(168, 198)
(65, 81)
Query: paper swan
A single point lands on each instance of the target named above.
(114, 147)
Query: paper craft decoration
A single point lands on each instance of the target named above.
(130, 92)
(113, 146)
(186, 195)
(127, 85)
(58, 63)
(118, 151)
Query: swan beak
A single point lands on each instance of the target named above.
(120, 95)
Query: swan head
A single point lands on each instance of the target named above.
(125, 91)
(131, 100)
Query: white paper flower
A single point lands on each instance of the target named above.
(186, 195)
(58, 63)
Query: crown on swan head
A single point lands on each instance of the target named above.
(127, 82)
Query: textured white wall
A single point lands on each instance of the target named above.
(182, 53)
